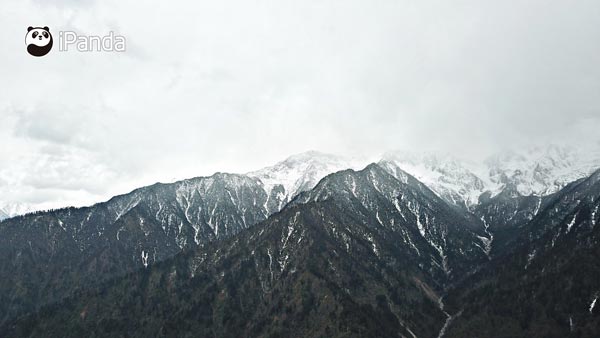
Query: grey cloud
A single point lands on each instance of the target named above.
(233, 85)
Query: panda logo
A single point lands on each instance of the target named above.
(38, 41)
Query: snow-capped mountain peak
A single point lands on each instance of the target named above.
(301, 172)
(537, 171)
(446, 175)
(540, 170)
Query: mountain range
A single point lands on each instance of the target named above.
(415, 245)
(538, 171)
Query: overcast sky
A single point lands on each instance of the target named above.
(236, 85)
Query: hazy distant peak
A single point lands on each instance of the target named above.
(541, 170)
(449, 177)
(11, 209)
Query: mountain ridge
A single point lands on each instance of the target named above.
(537, 171)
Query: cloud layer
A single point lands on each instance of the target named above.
(236, 85)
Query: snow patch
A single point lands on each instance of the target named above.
(397, 205)
(373, 245)
(145, 258)
(123, 210)
(571, 324)
(537, 208)
(530, 257)
(487, 245)
(570, 225)
(415, 210)
(270, 262)
(487, 242)
(378, 218)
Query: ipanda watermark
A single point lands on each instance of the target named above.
(91, 43)
(39, 42)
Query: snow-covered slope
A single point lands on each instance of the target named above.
(541, 170)
(11, 209)
(537, 171)
(447, 176)
(298, 173)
